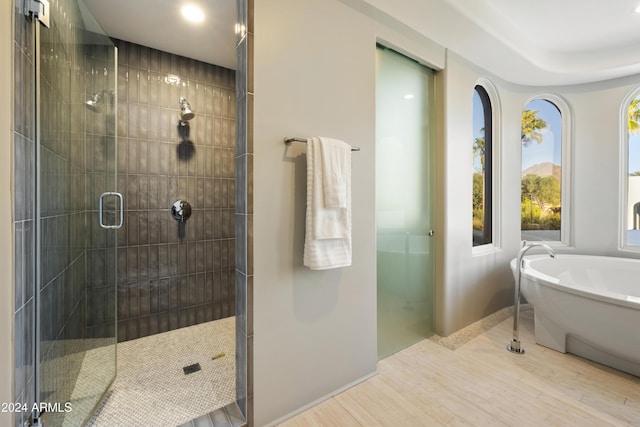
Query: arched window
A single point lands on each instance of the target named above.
(482, 167)
(631, 169)
(544, 177)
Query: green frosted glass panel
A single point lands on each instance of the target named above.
(404, 201)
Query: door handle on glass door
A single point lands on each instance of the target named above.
(121, 214)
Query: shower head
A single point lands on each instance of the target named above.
(94, 103)
(185, 110)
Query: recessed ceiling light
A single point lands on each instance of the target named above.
(409, 96)
(638, 9)
(192, 13)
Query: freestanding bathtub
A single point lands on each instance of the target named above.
(586, 305)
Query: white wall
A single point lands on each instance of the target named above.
(314, 74)
(472, 286)
(6, 242)
(596, 163)
(314, 66)
(595, 121)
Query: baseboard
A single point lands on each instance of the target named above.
(322, 399)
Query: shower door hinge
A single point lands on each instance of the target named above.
(39, 9)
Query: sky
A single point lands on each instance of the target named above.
(478, 124)
(548, 150)
(634, 153)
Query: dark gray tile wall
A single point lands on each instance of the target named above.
(23, 214)
(165, 282)
(244, 211)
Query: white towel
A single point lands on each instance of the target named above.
(328, 218)
(335, 172)
(331, 167)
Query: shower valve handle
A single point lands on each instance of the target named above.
(181, 211)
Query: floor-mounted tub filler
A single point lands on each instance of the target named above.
(514, 345)
(586, 305)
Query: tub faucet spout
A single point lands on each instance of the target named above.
(514, 346)
(526, 246)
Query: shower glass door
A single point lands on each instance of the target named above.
(75, 255)
(404, 201)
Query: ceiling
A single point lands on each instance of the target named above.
(573, 40)
(541, 42)
(160, 25)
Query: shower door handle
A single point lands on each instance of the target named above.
(121, 208)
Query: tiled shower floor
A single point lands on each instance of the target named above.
(151, 388)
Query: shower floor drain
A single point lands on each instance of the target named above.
(191, 368)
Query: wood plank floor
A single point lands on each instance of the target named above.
(482, 384)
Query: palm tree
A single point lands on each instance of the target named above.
(634, 123)
(531, 127)
(634, 116)
(478, 149)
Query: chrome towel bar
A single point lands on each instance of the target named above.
(289, 139)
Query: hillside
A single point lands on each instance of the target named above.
(544, 169)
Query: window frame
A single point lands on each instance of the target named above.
(623, 202)
(566, 116)
(495, 161)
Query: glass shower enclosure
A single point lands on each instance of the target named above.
(77, 212)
